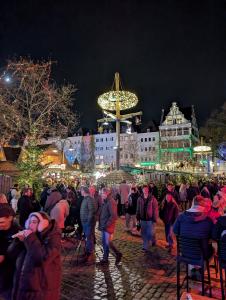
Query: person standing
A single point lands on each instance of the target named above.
(87, 215)
(8, 227)
(38, 259)
(124, 190)
(25, 206)
(147, 215)
(107, 221)
(15, 195)
(131, 209)
(168, 213)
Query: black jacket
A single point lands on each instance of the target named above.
(168, 212)
(38, 265)
(219, 227)
(7, 266)
(25, 207)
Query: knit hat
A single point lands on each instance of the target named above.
(6, 211)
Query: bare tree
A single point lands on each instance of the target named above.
(32, 104)
(214, 130)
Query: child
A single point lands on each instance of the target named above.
(168, 213)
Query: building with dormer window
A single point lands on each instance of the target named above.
(178, 134)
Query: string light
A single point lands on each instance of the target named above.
(126, 99)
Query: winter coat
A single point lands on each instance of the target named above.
(108, 215)
(60, 212)
(38, 265)
(124, 190)
(219, 227)
(195, 225)
(131, 204)
(147, 209)
(205, 192)
(168, 212)
(154, 191)
(25, 207)
(192, 191)
(52, 200)
(7, 266)
(87, 210)
(183, 193)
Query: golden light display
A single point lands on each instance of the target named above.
(126, 100)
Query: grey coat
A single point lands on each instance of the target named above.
(88, 210)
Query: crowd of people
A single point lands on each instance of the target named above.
(31, 230)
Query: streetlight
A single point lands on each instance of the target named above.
(117, 101)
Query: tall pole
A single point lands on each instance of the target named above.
(118, 117)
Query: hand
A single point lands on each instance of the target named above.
(21, 235)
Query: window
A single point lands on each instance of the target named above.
(145, 149)
(112, 139)
(101, 148)
(141, 149)
(141, 140)
(149, 139)
(101, 139)
(106, 139)
(145, 139)
(126, 156)
(97, 140)
(186, 131)
(153, 149)
(153, 139)
(149, 148)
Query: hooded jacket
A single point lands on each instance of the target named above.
(52, 200)
(60, 212)
(38, 265)
(195, 225)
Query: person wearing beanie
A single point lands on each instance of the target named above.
(38, 262)
(8, 227)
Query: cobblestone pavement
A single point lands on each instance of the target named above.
(138, 276)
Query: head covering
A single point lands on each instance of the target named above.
(6, 211)
(198, 204)
(43, 218)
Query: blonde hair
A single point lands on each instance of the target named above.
(3, 198)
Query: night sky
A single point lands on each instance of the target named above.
(163, 50)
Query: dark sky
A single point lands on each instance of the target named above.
(164, 50)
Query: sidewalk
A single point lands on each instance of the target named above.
(139, 275)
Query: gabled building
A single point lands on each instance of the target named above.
(178, 134)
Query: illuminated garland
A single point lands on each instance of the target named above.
(126, 100)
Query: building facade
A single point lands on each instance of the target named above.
(178, 134)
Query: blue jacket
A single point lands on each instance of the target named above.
(195, 225)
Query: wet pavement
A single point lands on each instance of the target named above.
(139, 275)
